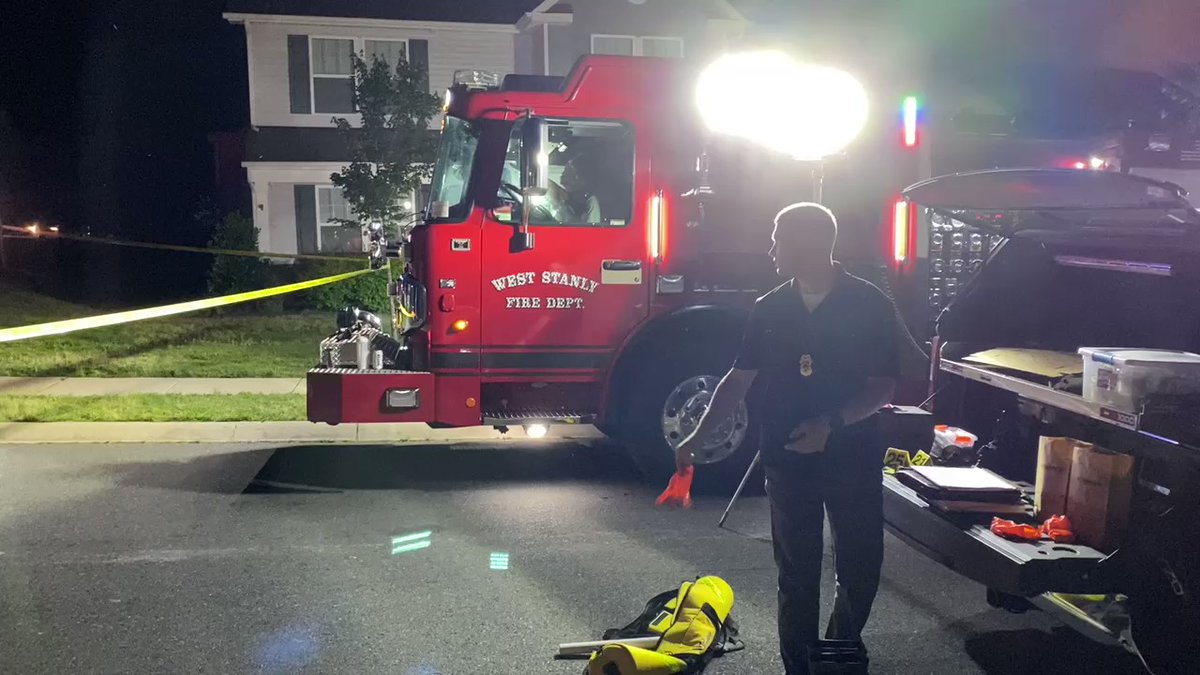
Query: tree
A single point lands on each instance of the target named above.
(392, 152)
(235, 274)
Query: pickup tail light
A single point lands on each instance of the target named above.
(902, 213)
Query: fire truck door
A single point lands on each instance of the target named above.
(564, 305)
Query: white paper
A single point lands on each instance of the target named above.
(963, 478)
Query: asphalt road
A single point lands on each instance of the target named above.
(189, 558)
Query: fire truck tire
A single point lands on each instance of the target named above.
(649, 395)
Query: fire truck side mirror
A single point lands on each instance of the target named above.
(535, 160)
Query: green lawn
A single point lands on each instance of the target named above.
(194, 345)
(154, 408)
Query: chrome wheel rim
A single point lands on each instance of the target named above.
(682, 412)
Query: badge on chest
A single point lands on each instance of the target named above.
(806, 365)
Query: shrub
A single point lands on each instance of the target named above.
(234, 274)
(368, 291)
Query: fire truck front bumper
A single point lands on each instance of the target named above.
(337, 395)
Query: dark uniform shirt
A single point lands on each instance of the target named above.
(812, 363)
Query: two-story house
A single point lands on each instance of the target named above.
(299, 69)
(556, 32)
(298, 60)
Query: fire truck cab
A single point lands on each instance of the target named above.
(587, 256)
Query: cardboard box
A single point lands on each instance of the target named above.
(1099, 495)
(1055, 455)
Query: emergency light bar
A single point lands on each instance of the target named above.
(910, 122)
(477, 79)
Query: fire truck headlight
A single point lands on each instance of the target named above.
(536, 430)
(804, 110)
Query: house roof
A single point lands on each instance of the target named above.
(713, 9)
(458, 11)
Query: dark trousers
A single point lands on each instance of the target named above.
(842, 483)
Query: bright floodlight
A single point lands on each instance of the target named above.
(806, 111)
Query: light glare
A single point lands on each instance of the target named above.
(806, 111)
(536, 430)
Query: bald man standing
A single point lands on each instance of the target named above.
(818, 360)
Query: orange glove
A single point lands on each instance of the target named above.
(1058, 529)
(679, 490)
(1010, 530)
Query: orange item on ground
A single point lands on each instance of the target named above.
(1058, 529)
(1011, 530)
(679, 490)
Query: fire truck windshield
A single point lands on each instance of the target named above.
(449, 196)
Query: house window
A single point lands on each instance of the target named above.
(616, 45)
(332, 75)
(634, 45)
(390, 52)
(333, 68)
(662, 47)
(332, 236)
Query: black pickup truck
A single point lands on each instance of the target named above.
(1086, 258)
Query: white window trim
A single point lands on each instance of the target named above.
(359, 47)
(638, 49)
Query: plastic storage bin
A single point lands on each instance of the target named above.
(1122, 378)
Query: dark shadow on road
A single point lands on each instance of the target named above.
(225, 473)
(1033, 652)
(315, 469)
(440, 467)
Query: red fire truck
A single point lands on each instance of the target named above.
(589, 253)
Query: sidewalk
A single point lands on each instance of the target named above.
(109, 386)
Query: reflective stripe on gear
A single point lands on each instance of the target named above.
(696, 630)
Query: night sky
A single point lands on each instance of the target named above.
(112, 101)
(109, 102)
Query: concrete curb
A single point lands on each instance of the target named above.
(264, 432)
(123, 386)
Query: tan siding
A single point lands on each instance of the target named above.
(449, 50)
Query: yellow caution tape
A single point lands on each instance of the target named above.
(85, 323)
(45, 235)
